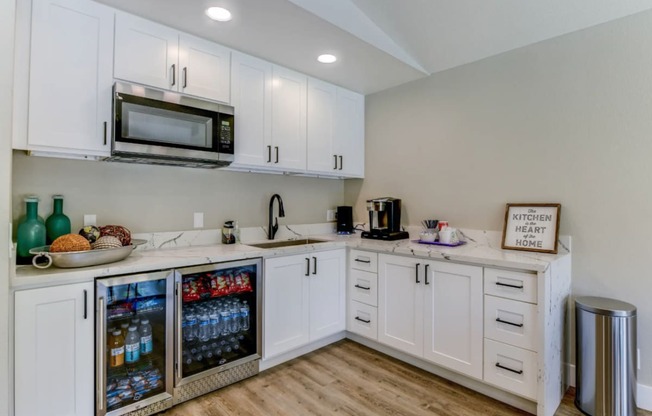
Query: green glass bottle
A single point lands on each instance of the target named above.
(57, 223)
(31, 232)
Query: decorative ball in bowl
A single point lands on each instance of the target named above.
(427, 237)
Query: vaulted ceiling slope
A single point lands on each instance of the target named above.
(381, 43)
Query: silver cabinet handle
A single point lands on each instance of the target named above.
(101, 359)
(341, 162)
(335, 157)
(185, 77)
(174, 74)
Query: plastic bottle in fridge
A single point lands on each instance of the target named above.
(146, 340)
(244, 317)
(116, 349)
(132, 345)
(215, 329)
(190, 332)
(204, 327)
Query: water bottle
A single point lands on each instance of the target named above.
(215, 325)
(187, 358)
(235, 319)
(244, 317)
(146, 341)
(204, 328)
(191, 328)
(132, 345)
(226, 322)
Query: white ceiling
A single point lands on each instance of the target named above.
(381, 43)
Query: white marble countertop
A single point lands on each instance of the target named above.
(171, 250)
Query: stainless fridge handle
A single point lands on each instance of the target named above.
(101, 359)
(178, 333)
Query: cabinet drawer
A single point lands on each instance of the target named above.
(362, 320)
(510, 321)
(512, 285)
(363, 287)
(363, 260)
(510, 368)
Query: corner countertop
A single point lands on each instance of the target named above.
(482, 248)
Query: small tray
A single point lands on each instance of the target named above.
(73, 259)
(437, 243)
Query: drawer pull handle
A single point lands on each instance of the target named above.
(509, 323)
(363, 261)
(509, 369)
(362, 287)
(508, 285)
(362, 320)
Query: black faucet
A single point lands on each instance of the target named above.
(281, 213)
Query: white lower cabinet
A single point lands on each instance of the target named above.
(511, 368)
(304, 300)
(54, 351)
(432, 310)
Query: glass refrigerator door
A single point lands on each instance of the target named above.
(134, 335)
(217, 311)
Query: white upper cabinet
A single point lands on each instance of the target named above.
(321, 127)
(349, 133)
(251, 97)
(152, 54)
(70, 78)
(335, 130)
(288, 147)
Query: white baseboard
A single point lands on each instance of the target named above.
(643, 392)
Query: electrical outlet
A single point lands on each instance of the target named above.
(330, 215)
(198, 219)
(90, 219)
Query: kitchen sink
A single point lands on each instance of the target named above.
(288, 243)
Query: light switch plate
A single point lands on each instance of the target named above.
(330, 215)
(198, 220)
(90, 219)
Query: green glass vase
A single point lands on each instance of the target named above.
(31, 232)
(57, 223)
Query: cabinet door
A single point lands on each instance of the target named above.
(320, 125)
(400, 303)
(54, 351)
(327, 294)
(70, 77)
(453, 317)
(288, 119)
(205, 68)
(349, 132)
(286, 304)
(251, 96)
(146, 52)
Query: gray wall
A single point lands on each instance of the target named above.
(161, 198)
(567, 120)
(6, 80)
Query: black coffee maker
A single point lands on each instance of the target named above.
(385, 219)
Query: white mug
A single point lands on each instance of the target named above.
(446, 235)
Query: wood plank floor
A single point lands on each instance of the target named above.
(347, 378)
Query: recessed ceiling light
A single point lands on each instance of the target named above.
(218, 13)
(327, 58)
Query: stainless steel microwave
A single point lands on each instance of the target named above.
(166, 128)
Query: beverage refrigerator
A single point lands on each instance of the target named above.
(134, 343)
(165, 337)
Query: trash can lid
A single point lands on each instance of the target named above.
(605, 306)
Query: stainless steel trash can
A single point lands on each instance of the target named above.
(605, 355)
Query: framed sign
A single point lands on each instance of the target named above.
(531, 227)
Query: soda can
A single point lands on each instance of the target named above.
(442, 225)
